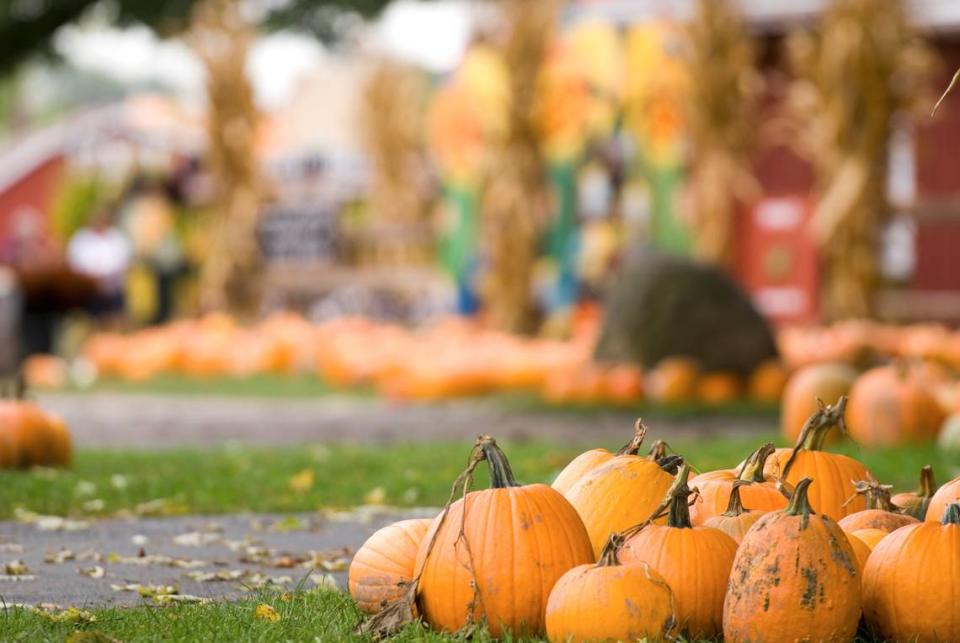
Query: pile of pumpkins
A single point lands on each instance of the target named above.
(792, 544)
(29, 436)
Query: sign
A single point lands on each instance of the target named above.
(776, 259)
(298, 234)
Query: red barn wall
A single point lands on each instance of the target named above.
(35, 191)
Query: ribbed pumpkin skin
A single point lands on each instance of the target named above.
(833, 475)
(385, 560)
(734, 526)
(522, 540)
(875, 519)
(794, 578)
(888, 408)
(618, 603)
(911, 585)
(617, 495)
(715, 494)
(945, 495)
(696, 564)
(862, 552)
(870, 537)
(579, 467)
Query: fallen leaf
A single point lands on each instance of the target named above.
(266, 613)
(60, 557)
(302, 482)
(85, 488)
(222, 575)
(163, 599)
(49, 523)
(93, 572)
(197, 538)
(10, 548)
(146, 591)
(15, 568)
(290, 523)
(69, 615)
(375, 496)
(93, 506)
(324, 581)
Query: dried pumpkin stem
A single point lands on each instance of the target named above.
(799, 503)
(815, 429)
(669, 462)
(609, 555)
(735, 504)
(679, 515)
(633, 446)
(877, 495)
(752, 469)
(928, 486)
(501, 475)
(951, 515)
(663, 509)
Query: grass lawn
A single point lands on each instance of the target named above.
(229, 480)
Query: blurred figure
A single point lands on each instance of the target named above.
(101, 251)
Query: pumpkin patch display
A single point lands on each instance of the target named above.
(590, 460)
(757, 490)
(794, 578)
(945, 495)
(736, 520)
(463, 576)
(611, 601)
(695, 561)
(880, 512)
(915, 503)
(911, 584)
(385, 564)
(889, 406)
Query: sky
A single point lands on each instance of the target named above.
(432, 35)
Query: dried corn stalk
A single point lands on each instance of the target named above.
(864, 66)
(513, 204)
(221, 37)
(720, 109)
(398, 199)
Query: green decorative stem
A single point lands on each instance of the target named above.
(752, 470)
(501, 475)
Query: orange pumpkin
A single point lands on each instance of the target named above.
(9, 449)
(861, 550)
(767, 382)
(833, 492)
(945, 495)
(758, 491)
(618, 494)
(385, 563)
(695, 562)
(911, 583)
(590, 460)
(794, 578)
(533, 526)
(871, 537)
(610, 602)
(888, 406)
(915, 503)
(805, 387)
(880, 512)
(60, 448)
(27, 427)
(718, 388)
(623, 385)
(674, 379)
(736, 520)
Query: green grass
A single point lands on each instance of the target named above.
(229, 480)
(292, 386)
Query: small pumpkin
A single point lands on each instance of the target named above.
(805, 387)
(673, 379)
(794, 578)
(623, 385)
(60, 448)
(833, 492)
(945, 495)
(618, 494)
(28, 428)
(911, 586)
(610, 601)
(888, 406)
(915, 503)
(758, 490)
(9, 450)
(871, 537)
(736, 520)
(695, 561)
(718, 388)
(385, 563)
(590, 460)
(880, 512)
(533, 526)
(767, 382)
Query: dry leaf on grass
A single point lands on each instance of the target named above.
(69, 615)
(92, 572)
(59, 557)
(264, 612)
(303, 481)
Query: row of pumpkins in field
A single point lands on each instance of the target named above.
(791, 545)
(30, 436)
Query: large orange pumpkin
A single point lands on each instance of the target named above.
(833, 492)
(736, 520)
(385, 563)
(861, 550)
(945, 495)
(805, 387)
(610, 602)
(911, 585)
(889, 407)
(618, 494)
(465, 574)
(915, 503)
(794, 578)
(871, 537)
(60, 448)
(880, 512)
(695, 561)
(758, 490)
(9, 449)
(590, 460)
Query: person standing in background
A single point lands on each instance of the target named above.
(102, 252)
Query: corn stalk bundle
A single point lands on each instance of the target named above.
(720, 109)
(864, 66)
(513, 204)
(221, 36)
(391, 125)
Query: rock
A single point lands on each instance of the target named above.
(663, 305)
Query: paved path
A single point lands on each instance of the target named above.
(247, 551)
(144, 421)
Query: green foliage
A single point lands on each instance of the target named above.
(78, 197)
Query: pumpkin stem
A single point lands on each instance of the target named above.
(951, 515)
(752, 469)
(799, 503)
(815, 429)
(677, 496)
(501, 475)
(735, 505)
(609, 555)
(668, 462)
(927, 485)
(877, 495)
(633, 446)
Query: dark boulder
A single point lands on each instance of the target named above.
(662, 305)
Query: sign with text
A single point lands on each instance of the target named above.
(298, 234)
